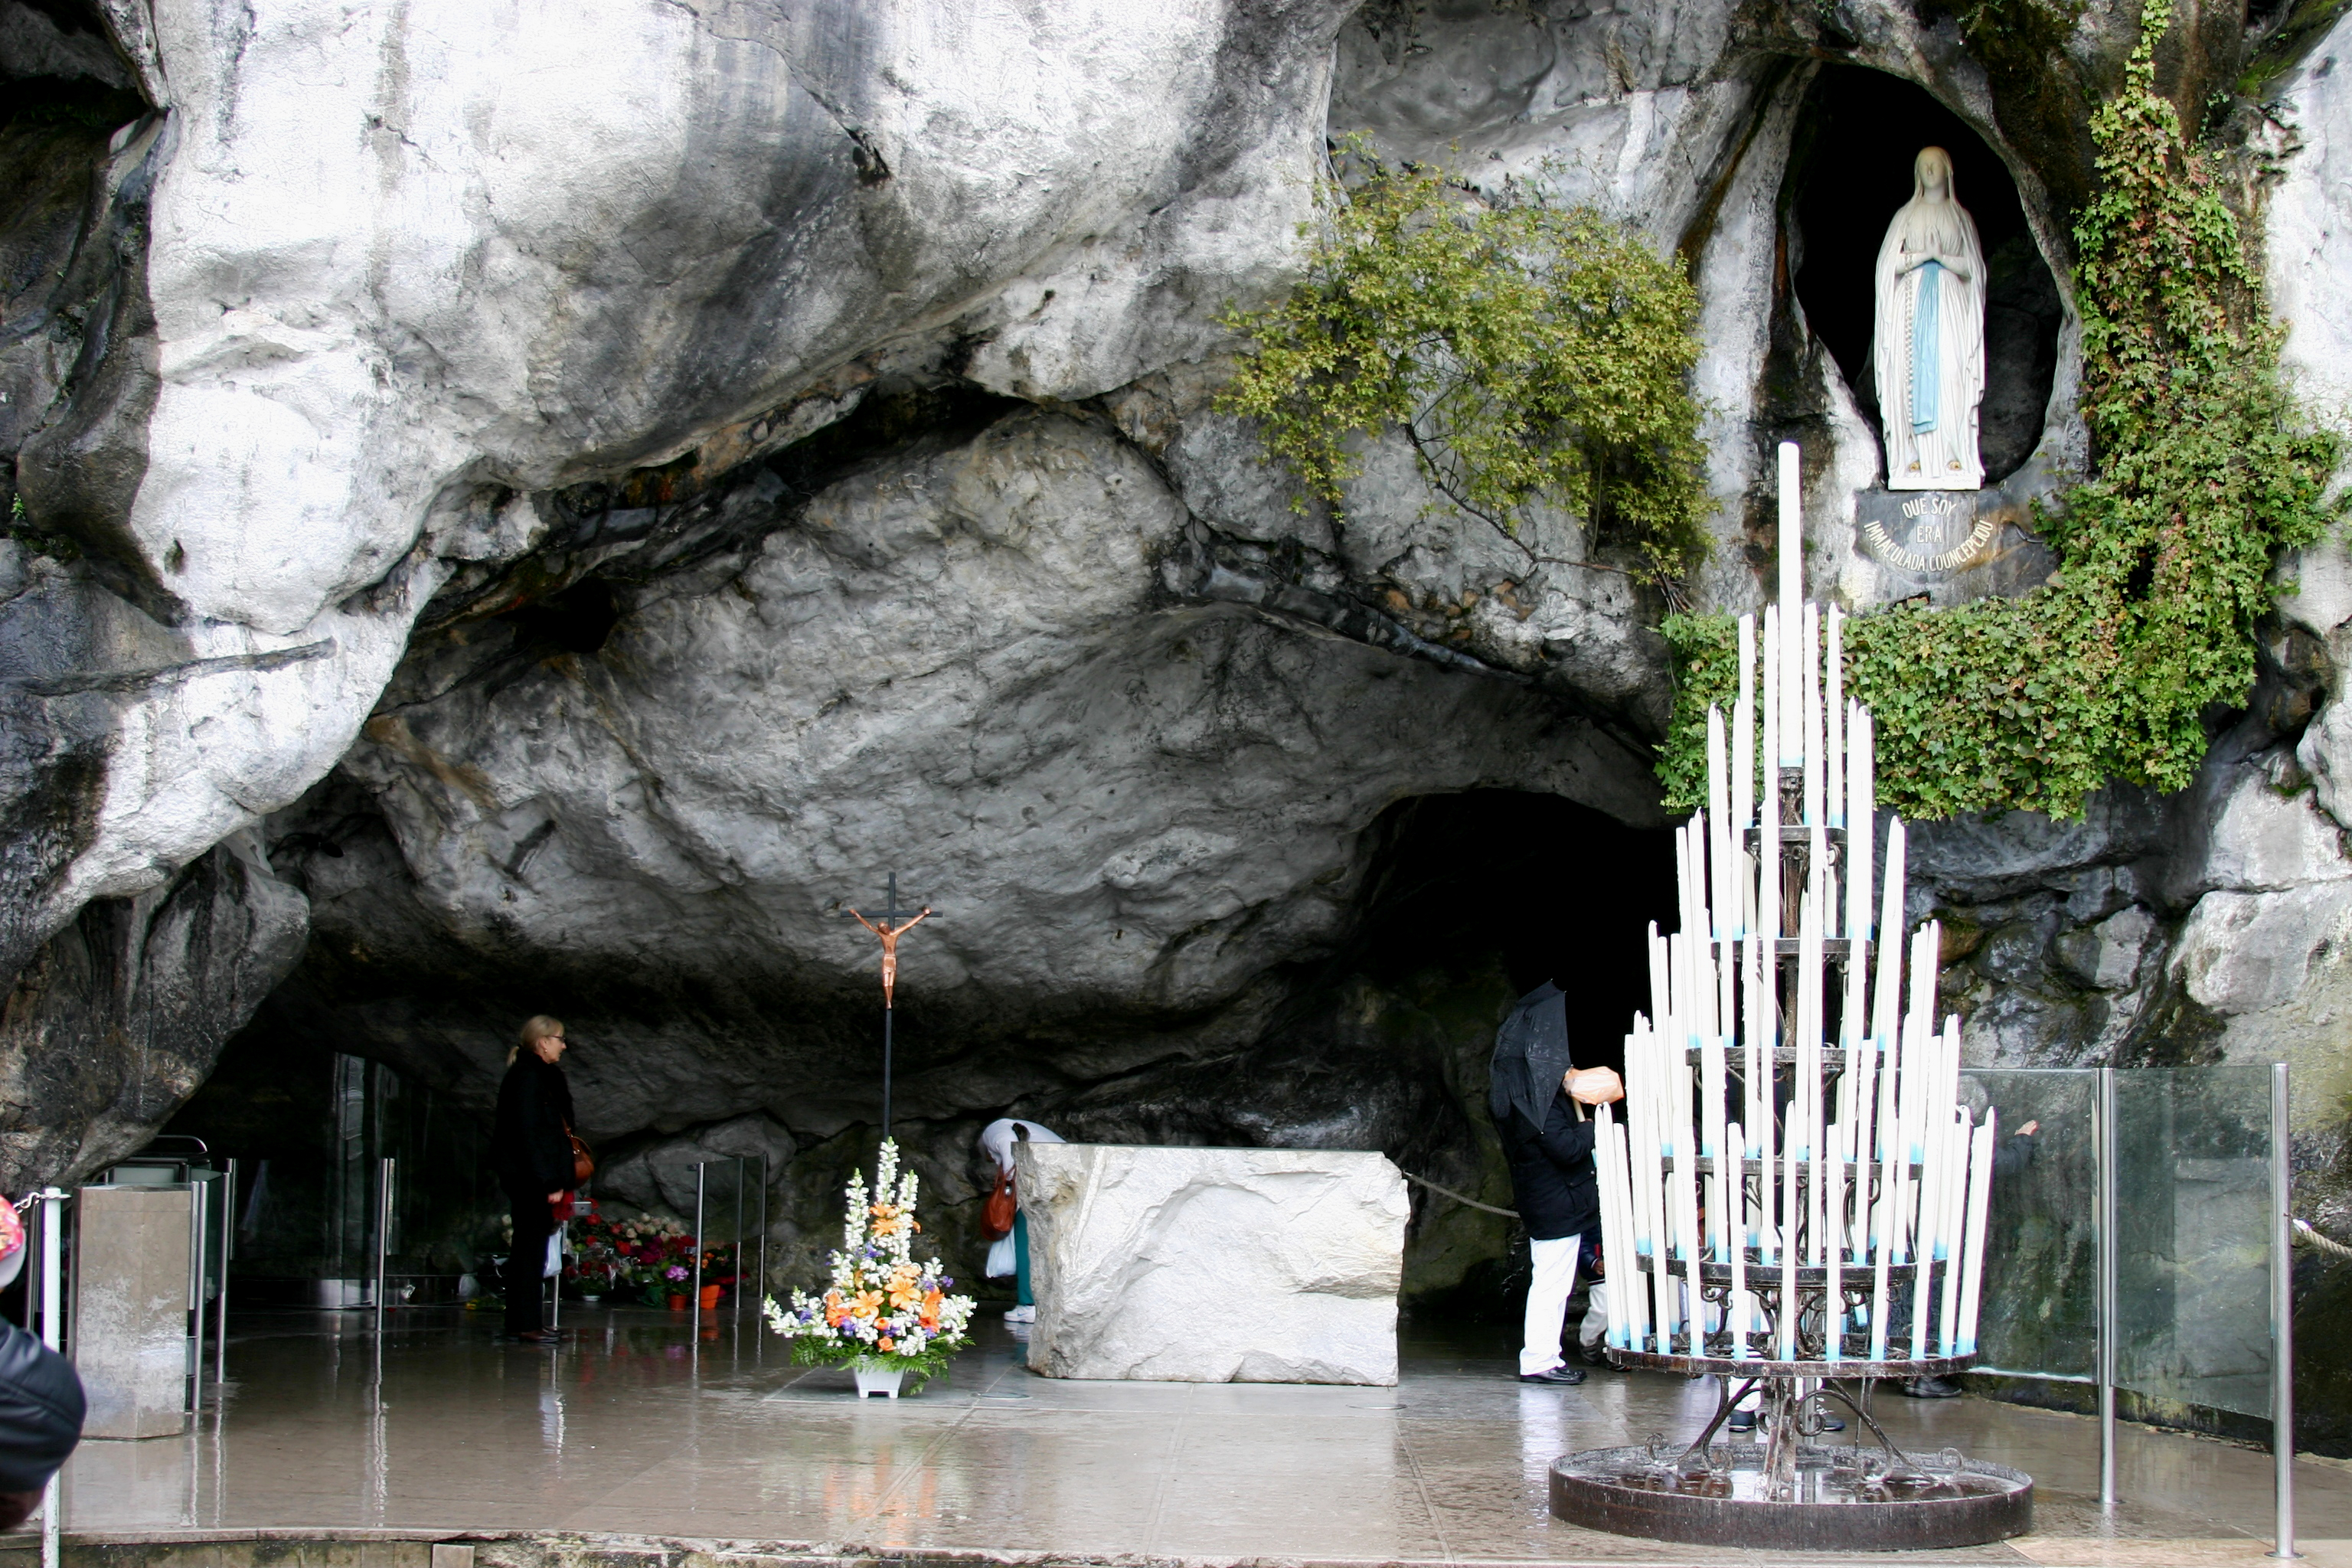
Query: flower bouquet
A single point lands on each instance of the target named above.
(885, 1311)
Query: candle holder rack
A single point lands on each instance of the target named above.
(1793, 1196)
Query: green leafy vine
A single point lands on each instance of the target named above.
(2204, 470)
(1528, 353)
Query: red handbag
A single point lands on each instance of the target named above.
(996, 1215)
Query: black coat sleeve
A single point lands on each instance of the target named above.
(41, 1410)
(1565, 1142)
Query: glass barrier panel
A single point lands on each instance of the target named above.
(2039, 1316)
(2192, 1183)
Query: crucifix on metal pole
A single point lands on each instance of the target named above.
(889, 924)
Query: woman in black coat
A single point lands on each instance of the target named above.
(530, 1145)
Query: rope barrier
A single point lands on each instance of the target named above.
(2325, 1244)
(1458, 1197)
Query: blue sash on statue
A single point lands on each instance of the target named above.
(1924, 366)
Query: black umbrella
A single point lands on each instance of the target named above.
(1530, 1056)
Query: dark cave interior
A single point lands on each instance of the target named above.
(1544, 888)
(1469, 900)
(1849, 172)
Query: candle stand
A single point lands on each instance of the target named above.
(1793, 1196)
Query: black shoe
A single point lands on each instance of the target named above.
(1741, 1421)
(1563, 1375)
(1930, 1388)
(1832, 1424)
(1595, 1354)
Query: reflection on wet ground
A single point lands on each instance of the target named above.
(645, 1422)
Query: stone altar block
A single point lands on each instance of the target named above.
(132, 1268)
(1212, 1265)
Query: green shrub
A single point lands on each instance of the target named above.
(1527, 353)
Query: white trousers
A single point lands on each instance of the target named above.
(1552, 1283)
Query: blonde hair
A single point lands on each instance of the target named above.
(535, 1028)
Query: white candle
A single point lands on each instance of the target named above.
(1791, 595)
(1932, 1142)
(1743, 731)
(1657, 973)
(1767, 803)
(1809, 697)
(1980, 1157)
(1809, 974)
(1865, 808)
(1711, 1124)
(1791, 1218)
(1886, 1004)
(1758, 1107)
(1955, 1214)
(1735, 1139)
(1834, 1300)
(1615, 1238)
(1834, 713)
(1720, 888)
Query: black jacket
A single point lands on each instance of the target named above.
(1551, 1172)
(531, 1146)
(41, 1410)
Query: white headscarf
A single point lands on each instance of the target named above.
(996, 1139)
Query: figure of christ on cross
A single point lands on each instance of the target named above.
(890, 935)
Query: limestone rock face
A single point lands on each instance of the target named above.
(1212, 1265)
(119, 1018)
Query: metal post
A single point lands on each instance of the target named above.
(694, 1302)
(384, 1174)
(759, 1316)
(886, 1012)
(2282, 1320)
(742, 1165)
(2107, 1249)
(220, 1302)
(52, 1286)
(198, 1193)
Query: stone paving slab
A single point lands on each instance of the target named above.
(651, 1440)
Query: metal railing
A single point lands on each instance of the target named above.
(2167, 1279)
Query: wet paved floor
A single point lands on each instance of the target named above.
(644, 1423)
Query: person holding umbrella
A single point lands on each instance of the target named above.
(1537, 1096)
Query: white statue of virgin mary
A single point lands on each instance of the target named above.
(1929, 348)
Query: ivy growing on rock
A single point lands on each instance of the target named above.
(2203, 470)
(1528, 353)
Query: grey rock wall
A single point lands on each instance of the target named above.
(594, 492)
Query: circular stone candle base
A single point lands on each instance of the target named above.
(1839, 1505)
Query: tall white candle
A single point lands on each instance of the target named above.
(1888, 1002)
(1711, 1123)
(1758, 1107)
(1833, 1299)
(1833, 714)
(1735, 1139)
(1791, 595)
(1720, 887)
(1743, 731)
(1808, 971)
(1980, 1157)
(1791, 1218)
(1768, 801)
(1657, 973)
(1952, 1227)
(1809, 696)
